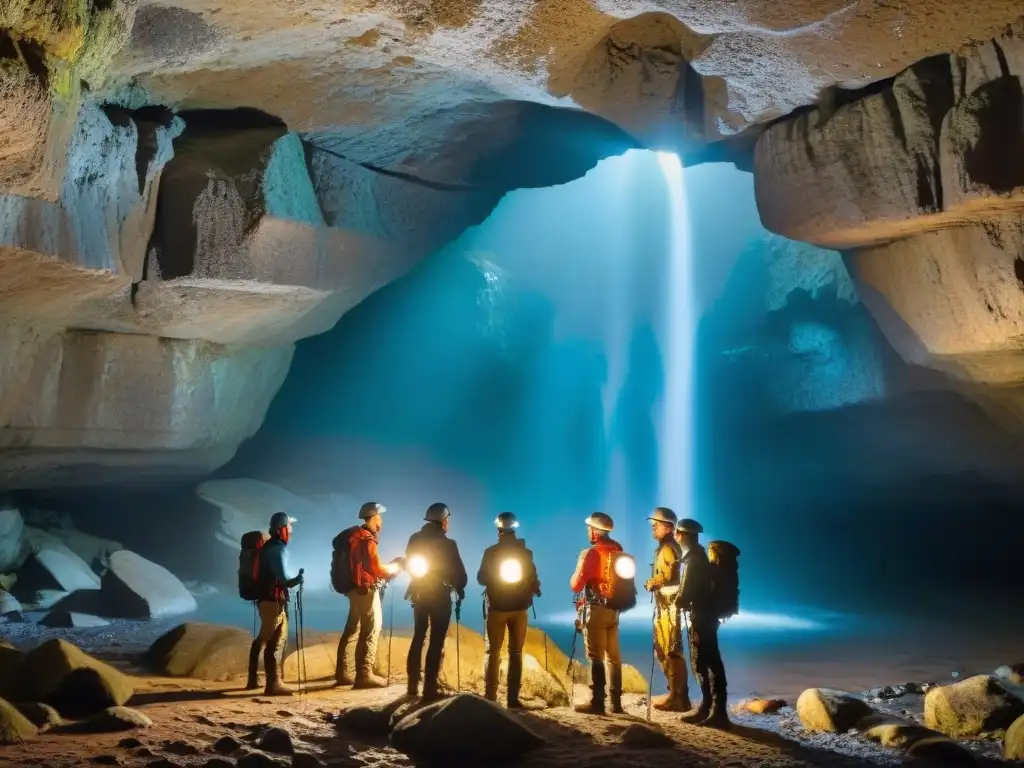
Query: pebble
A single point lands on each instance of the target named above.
(276, 740)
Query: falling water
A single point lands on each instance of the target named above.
(677, 330)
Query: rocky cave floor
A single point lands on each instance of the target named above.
(199, 723)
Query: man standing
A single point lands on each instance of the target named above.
(664, 584)
(365, 614)
(509, 578)
(435, 569)
(275, 581)
(592, 582)
(696, 598)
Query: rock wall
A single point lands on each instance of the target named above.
(921, 182)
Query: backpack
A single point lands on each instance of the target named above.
(249, 565)
(518, 596)
(725, 578)
(622, 590)
(342, 579)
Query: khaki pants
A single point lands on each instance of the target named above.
(601, 640)
(362, 629)
(667, 631)
(274, 636)
(498, 622)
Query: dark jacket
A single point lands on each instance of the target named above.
(275, 576)
(508, 597)
(695, 583)
(446, 571)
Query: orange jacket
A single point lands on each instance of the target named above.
(594, 569)
(367, 569)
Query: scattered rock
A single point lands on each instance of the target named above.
(130, 743)
(204, 651)
(225, 745)
(180, 748)
(759, 706)
(940, 751)
(50, 667)
(1013, 744)
(894, 732)
(107, 760)
(276, 740)
(42, 716)
(114, 719)
(144, 752)
(643, 736)
(14, 726)
(9, 604)
(71, 620)
(259, 760)
(135, 588)
(976, 705)
(822, 709)
(218, 762)
(14, 548)
(484, 730)
(1012, 672)
(52, 566)
(285, 713)
(11, 660)
(373, 720)
(305, 760)
(85, 692)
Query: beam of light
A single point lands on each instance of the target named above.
(511, 571)
(745, 621)
(678, 329)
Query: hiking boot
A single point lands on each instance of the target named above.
(615, 688)
(515, 704)
(697, 714)
(596, 704)
(254, 663)
(717, 719)
(366, 679)
(413, 689)
(273, 665)
(616, 703)
(344, 679)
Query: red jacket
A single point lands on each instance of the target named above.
(594, 569)
(366, 566)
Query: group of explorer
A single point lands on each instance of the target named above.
(689, 586)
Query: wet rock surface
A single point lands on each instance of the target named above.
(980, 704)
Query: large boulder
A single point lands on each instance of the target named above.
(204, 651)
(65, 619)
(51, 568)
(823, 709)
(136, 588)
(61, 674)
(94, 550)
(13, 545)
(14, 726)
(979, 704)
(894, 732)
(42, 716)
(11, 660)
(465, 730)
(9, 605)
(1013, 744)
(1012, 672)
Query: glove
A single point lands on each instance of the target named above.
(650, 585)
(301, 578)
(461, 594)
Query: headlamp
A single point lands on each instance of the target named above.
(625, 567)
(510, 571)
(392, 568)
(417, 566)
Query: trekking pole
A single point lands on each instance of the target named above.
(570, 669)
(300, 650)
(654, 655)
(458, 662)
(391, 630)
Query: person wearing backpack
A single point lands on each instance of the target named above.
(275, 579)
(436, 570)
(603, 591)
(697, 597)
(357, 572)
(508, 575)
(664, 584)
(249, 590)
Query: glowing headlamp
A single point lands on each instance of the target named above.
(417, 566)
(625, 567)
(510, 571)
(392, 568)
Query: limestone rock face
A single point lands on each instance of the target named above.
(930, 149)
